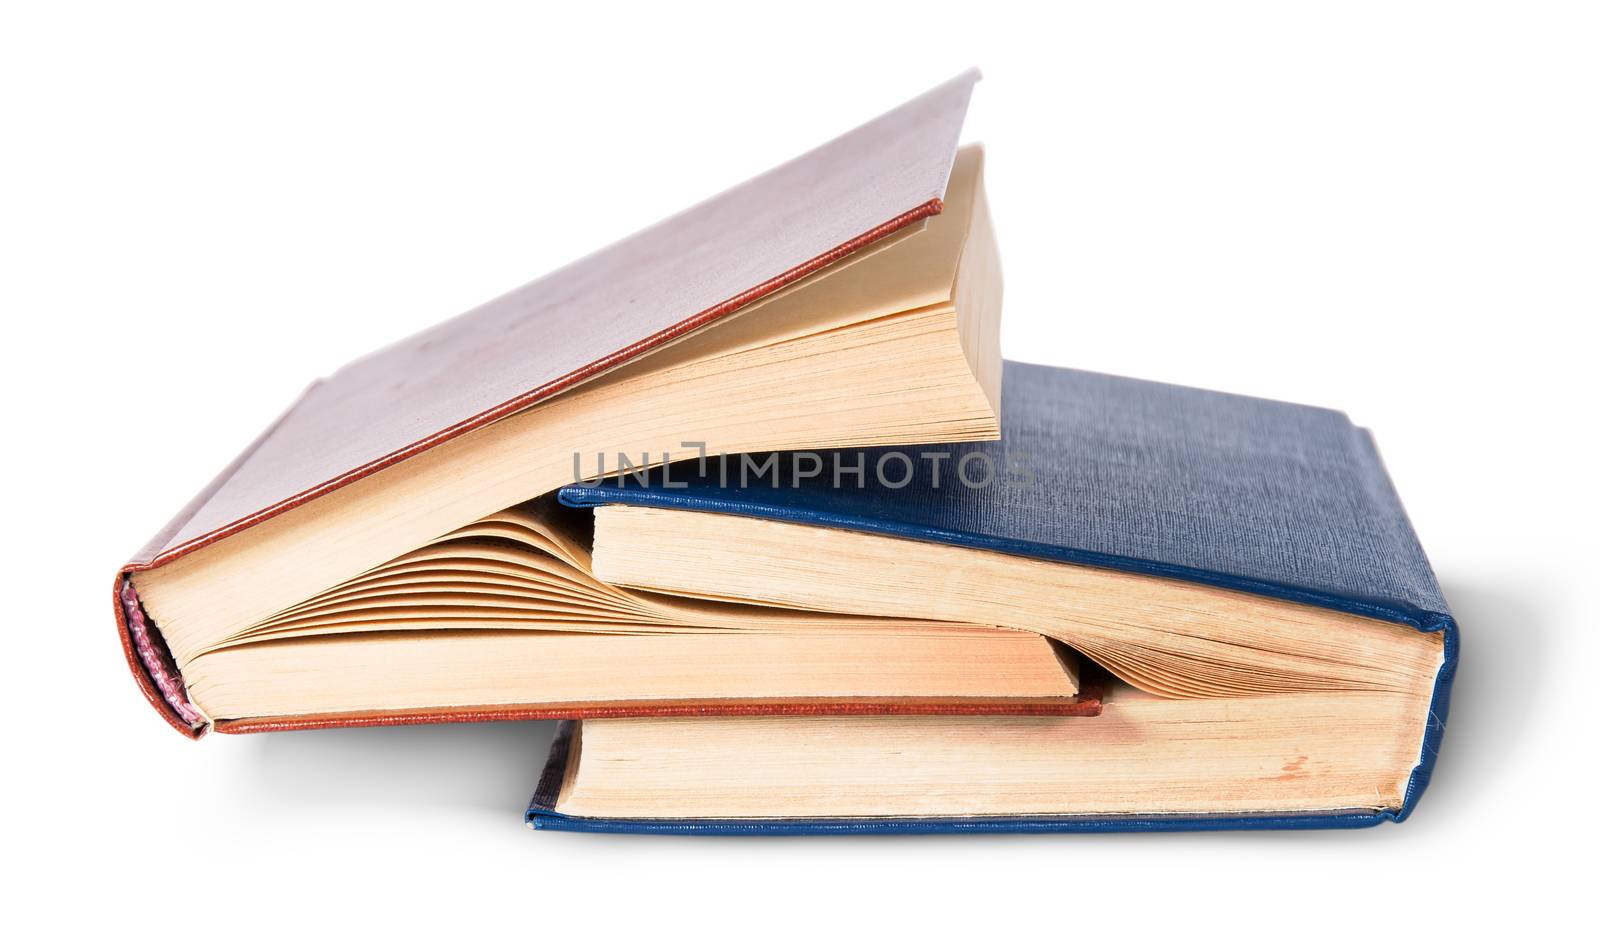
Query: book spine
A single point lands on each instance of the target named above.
(554, 772)
(142, 644)
(160, 681)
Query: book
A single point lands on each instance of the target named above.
(373, 556)
(1239, 575)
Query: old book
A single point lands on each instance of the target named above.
(372, 544)
(1276, 649)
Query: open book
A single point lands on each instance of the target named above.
(373, 546)
(1263, 632)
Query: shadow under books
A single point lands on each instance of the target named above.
(1505, 639)
(489, 766)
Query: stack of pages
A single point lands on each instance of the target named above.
(750, 501)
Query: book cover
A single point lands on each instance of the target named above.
(629, 299)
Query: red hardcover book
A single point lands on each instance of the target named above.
(374, 557)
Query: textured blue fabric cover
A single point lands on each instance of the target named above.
(1260, 496)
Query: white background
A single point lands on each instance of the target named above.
(1386, 208)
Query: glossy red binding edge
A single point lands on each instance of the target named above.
(1087, 704)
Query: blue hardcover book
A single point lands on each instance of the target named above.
(1272, 644)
